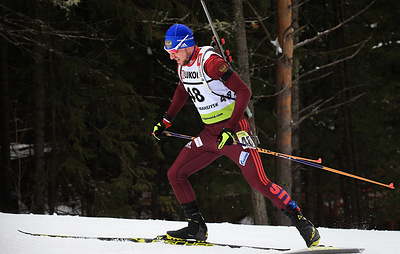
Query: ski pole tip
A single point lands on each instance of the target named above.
(391, 186)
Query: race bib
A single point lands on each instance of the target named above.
(245, 139)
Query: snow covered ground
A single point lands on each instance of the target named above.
(13, 242)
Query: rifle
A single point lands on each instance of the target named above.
(216, 41)
(217, 44)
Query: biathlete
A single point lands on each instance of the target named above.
(221, 100)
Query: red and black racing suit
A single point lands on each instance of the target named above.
(192, 158)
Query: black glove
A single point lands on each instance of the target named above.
(226, 137)
(161, 127)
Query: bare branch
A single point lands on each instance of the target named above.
(22, 31)
(272, 95)
(319, 35)
(298, 82)
(335, 62)
(270, 139)
(313, 105)
(320, 103)
(261, 23)
(298, 3)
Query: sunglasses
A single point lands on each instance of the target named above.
(175, 49)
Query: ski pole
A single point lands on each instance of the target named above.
(391, 185)
(261, 150)
(297, 159)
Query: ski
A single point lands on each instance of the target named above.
(101, 238)
(163, 239)
(327, 250)
(158, 239)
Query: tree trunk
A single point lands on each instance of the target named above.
(284, 99)
(38, 202)
(349, 143)
(53, 167)
(5, 165)
(260, 210)
(296, 167)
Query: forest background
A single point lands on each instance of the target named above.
(83, 83)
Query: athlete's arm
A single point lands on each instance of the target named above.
(216, 67)
(178, 100)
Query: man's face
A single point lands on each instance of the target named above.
(181, 56)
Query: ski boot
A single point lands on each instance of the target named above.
(196, 228)
(306, 229)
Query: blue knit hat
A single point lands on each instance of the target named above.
(176, 34)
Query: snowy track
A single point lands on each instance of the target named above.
(14, 242)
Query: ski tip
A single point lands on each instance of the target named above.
(321, 249)
(391, 186)
(24, 232)
(319, 160)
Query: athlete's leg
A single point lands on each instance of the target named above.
(250, 164)
(191, 159)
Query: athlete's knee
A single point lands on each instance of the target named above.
(175, 174)
(260, 182)
(172, 175)
(262, 187)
